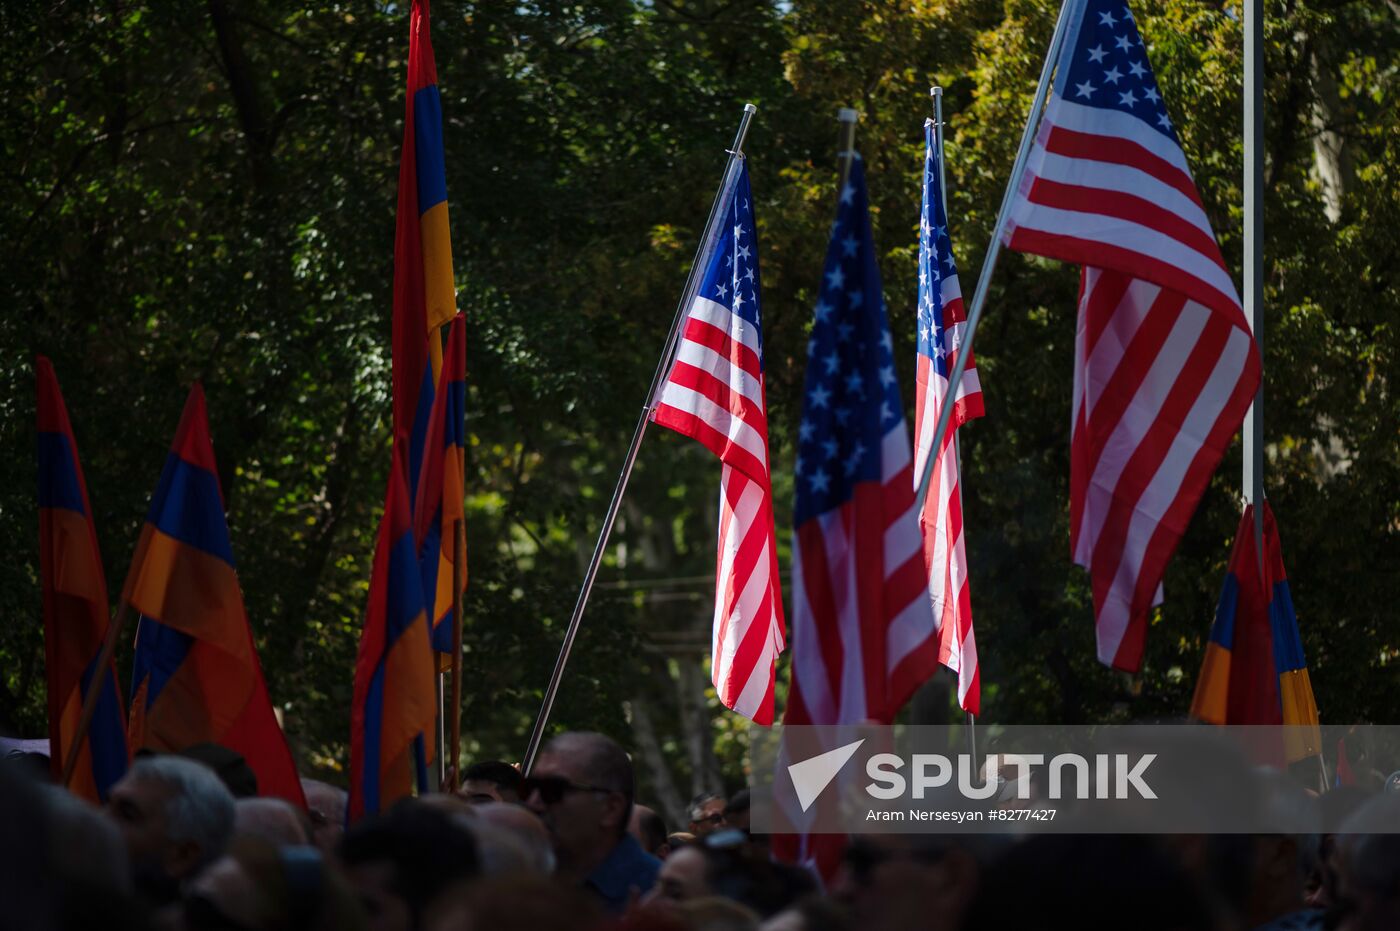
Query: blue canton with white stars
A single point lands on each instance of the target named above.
(935, 263)
(851, 397)
(1108, 67)
(731, 275)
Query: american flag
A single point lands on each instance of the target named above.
(941, 324)
(860, 603)
(714, 393)
(1165, 365)
(862, 622)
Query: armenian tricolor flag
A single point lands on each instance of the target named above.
(75, 606)
(395, 701)
(439, 508)
(424, 295)
(1254, 671)
(196, 676)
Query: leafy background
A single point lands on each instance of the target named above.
(206, 191)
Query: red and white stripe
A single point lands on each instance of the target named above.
(941, 522)
(714, 393)
(1165, 365)
(860, 606)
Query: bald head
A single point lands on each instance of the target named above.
(325, 806)
(270, 819)
(512, 839)
(597, 760)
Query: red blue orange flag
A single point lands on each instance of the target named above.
(75, 606)
(395, 700)
(1254, 671)
(196, 677)
(425, 298)
(438, 513)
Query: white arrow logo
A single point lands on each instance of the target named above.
(813, 775)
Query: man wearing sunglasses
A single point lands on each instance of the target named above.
(582, 788)
(706, 812)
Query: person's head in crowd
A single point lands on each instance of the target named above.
(706, 813)
(233, 771)
(713, 913)
(518, 903)
(1334, 807)
(400, 862)
(258, 886)
(1210, 782)
(325, 806)
(271, 819)
(649, 830)
(726, 865)
(86, 861)
(490, 781)
(1368, 866)
(175, 816)
(581, 786)
(685, 874)
(82, 843)
(1284, 852)
(62, 864)
(813, 913)
(1089, 882)
(911, 880)
(678, 839)
(33, 765)
(511, 839)
(736, 810)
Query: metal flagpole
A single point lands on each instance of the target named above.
(979, 297)
(736, 154)
(936, 93)
(1253, 432)
(1254, 253)
(438, 776)
(848, 118)
(459, 549)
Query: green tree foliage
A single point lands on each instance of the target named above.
(207, 191)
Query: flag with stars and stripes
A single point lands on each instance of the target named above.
(1165, 364)
(714, 393)
(860, 605)
(941, 324)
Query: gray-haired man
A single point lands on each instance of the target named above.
(175, 816)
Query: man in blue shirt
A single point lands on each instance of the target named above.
(582, 787)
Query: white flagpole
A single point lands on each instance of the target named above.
(936, 93)
(736, 156)
(979, 297)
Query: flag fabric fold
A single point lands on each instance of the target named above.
(861, 610)
(714, 392)
(1165, 363)
(441, 496)
(424, 293)
(941, 321)
(196, 676)
(394, 705)
(860, 604)
(75, 606)
(1254, 670)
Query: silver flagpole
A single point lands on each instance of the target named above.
(979, 297)
(936, 93)
(848, 118)
(692, 284)
(1254, 253)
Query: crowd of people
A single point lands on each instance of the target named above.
(185, 842)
